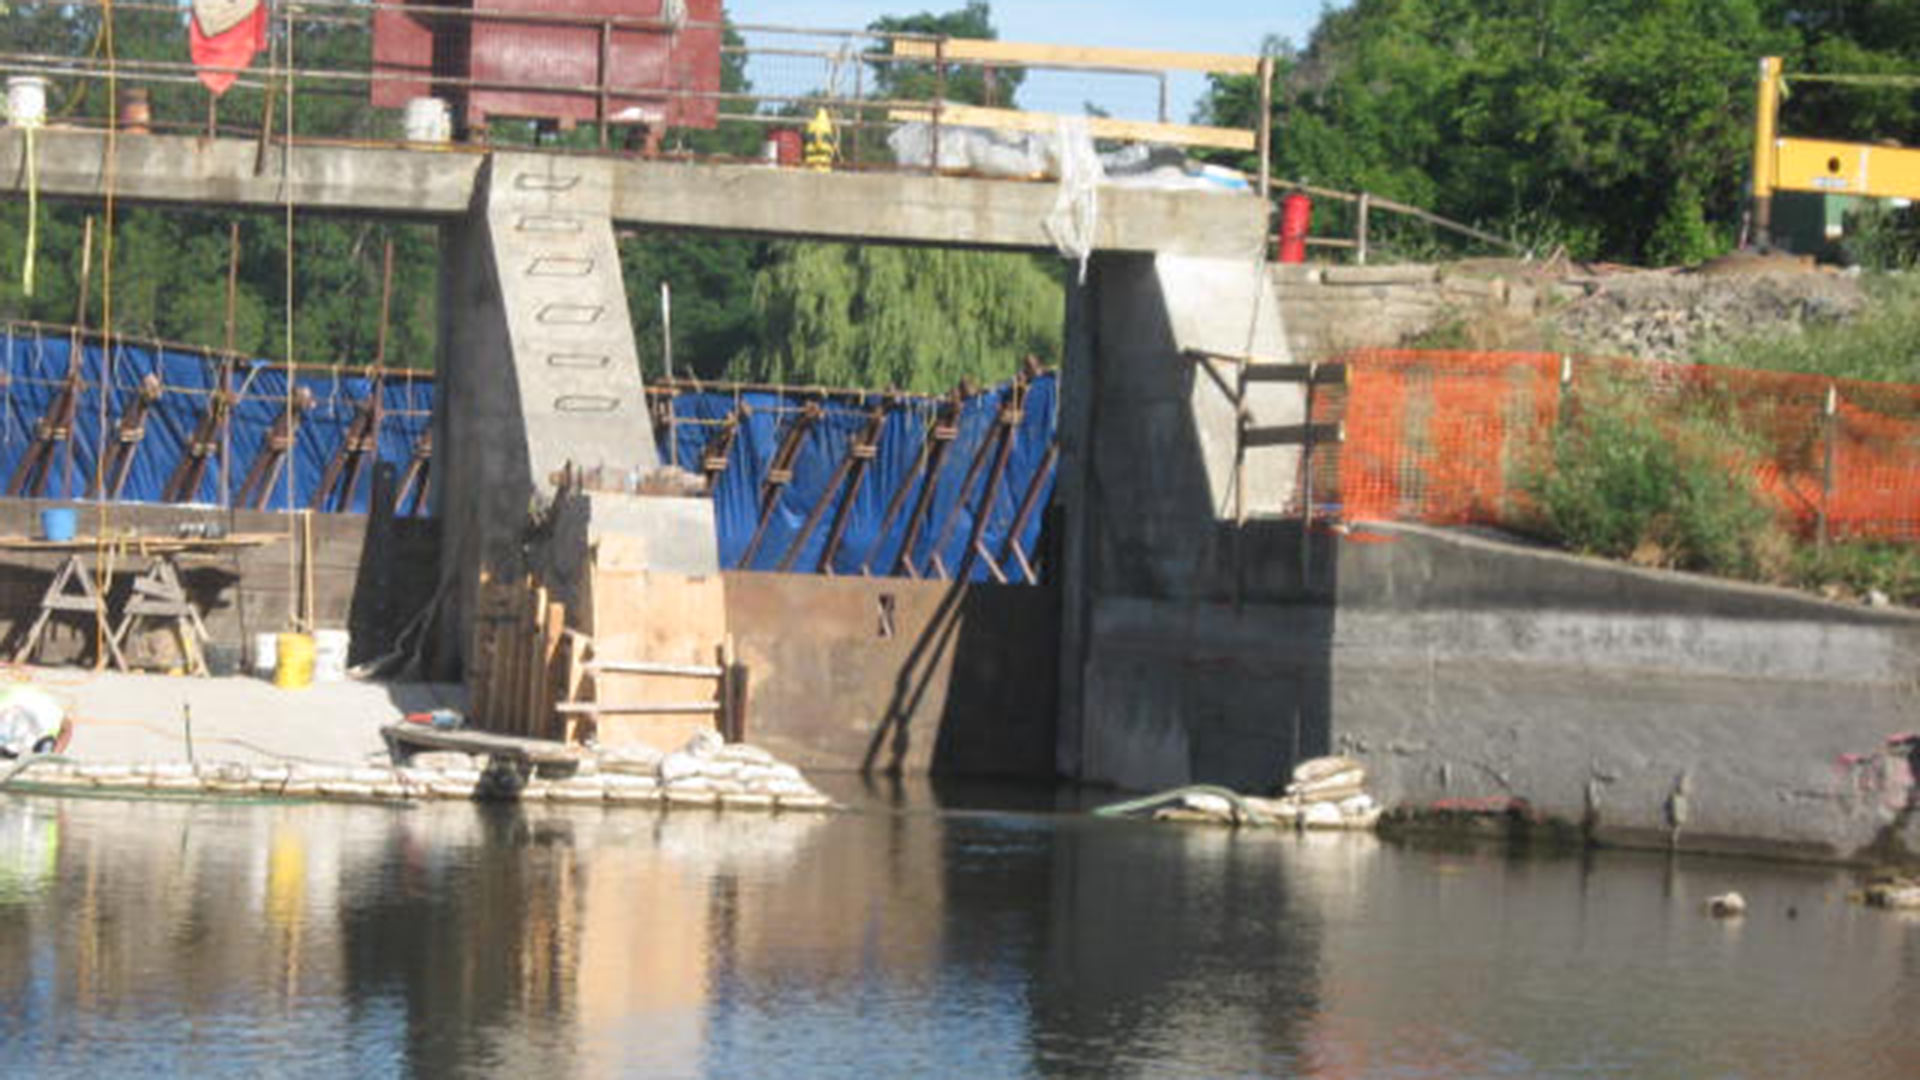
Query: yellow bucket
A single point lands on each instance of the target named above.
(293, 661)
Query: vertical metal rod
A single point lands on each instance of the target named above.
(939, 96)
(76, 352)
(220, 402)
(1360, 232)
(1829, 417)
(606, 66)
(666, 326)
(386, 306)
(1306, 481)
(666, 357)
(1163, 96)
(859, 95)
(1265, 139)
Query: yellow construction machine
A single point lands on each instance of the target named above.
(1821, 166)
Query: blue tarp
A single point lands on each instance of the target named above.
(36, 366)
(948, 522)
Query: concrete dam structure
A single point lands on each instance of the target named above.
(1194, 629)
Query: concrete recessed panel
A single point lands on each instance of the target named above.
(559, 266)
(570, 314)
(579, 361)
(586, 403)
(546, 182)
(548, 223)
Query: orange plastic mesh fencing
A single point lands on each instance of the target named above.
(1451, 437)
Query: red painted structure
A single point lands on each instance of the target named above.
(1296, 221)
(650, 62)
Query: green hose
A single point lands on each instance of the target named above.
(30, 761)
(1241, 811)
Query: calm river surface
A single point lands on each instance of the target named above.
(906, 940)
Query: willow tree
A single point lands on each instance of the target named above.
(904, 318)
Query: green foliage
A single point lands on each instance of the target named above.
(1882, 237)
(1626, 480)
(967, 84)
(1880, 343)
(911, 319)
(1623, 125)
(1862, 566)
(714, 318)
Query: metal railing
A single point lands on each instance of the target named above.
(801, 73)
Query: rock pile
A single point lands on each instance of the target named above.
(705, 773)
(1666, 315)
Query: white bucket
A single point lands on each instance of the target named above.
(266, 654)
(427, 120)
(26, 101)
(330, 649)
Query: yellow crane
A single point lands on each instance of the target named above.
(1822, 166)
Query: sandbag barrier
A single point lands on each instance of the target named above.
(1323, 793)
(733, 777)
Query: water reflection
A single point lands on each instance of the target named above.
(205, 939)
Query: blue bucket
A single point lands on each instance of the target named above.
(58, 523)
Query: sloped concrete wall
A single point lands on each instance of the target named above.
(1656, 708)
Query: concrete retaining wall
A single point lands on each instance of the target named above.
(370, 580)
(1654, 708)
(1331, 308)
(899, 676)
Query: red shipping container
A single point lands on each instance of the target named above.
(660, 72)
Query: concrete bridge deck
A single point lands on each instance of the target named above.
(439, 183)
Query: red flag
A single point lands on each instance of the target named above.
(232, 47)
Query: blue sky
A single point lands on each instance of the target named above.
(1234, 26)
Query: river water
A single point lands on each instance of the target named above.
(913, 938)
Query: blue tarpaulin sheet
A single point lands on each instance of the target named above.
(37, 366)
(945, 527)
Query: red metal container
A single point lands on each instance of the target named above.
(1296, 221)
(787, 147)
(545, 59)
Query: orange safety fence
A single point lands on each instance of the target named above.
(1451, 437)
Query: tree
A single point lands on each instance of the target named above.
(1621, 129)
(969, 84)
(904, 318)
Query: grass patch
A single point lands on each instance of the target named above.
(1650, 481)
(1858, 567)
(1881, 343)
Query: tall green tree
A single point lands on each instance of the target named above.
(1620, 128)
(902, 318)
(967, 84)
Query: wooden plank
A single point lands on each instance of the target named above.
(1319, 374)
(553, 673)
(538, 751)
(648, 667)
(1292, 434)
(974, 50)
(1102, 127)
(647, 618)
